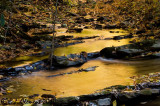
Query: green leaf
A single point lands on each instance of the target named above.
(2, 20)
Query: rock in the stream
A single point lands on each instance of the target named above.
(93, 55)
(128, 52)
(156, 46)
(110, 26)
(19, 69)
(90, 68)
(102, 18)
(117, 37)
(108, 52)
(29, 68)
(149, 92)
(104, 102)
(67, 101)
(97, 26)
(48, 96)
(33, 96)
(120, 52)
(70, 60)
(75, 30)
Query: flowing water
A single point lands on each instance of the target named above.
(110, 72)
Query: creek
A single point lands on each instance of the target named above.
(110, 72)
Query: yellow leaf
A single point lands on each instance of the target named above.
(114, 103)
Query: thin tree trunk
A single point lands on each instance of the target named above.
(8, 26)
(53, 38)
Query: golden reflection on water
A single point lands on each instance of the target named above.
(107, 74)
(89, 46)
(92, 32)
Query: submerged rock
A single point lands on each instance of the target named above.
(90, 69)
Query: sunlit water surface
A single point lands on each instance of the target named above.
(110, 72)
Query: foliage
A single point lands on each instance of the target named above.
(4, 4)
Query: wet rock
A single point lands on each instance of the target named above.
(67, 101)
(70, 60)
(127, 97)
(149, 34)
(64, 38)
(117, 37)
(129, 36)
(90, 68)
(110, 26)
(156, 54)
(149, 92)
(33, 96)
(156, 46)
(97, 26)
(87, 37)
(128, 52)
(29, 68)
(64, 25)
(93, 55)
(104, 102)
(140, 31)
(42, 32)
(78, 71)
(4, 79)
(108, 52)
(48, 96)
(114, 31)
(75, 30)
(19, 69)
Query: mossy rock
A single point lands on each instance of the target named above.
(69, 101)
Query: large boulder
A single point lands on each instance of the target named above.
(120, 52)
